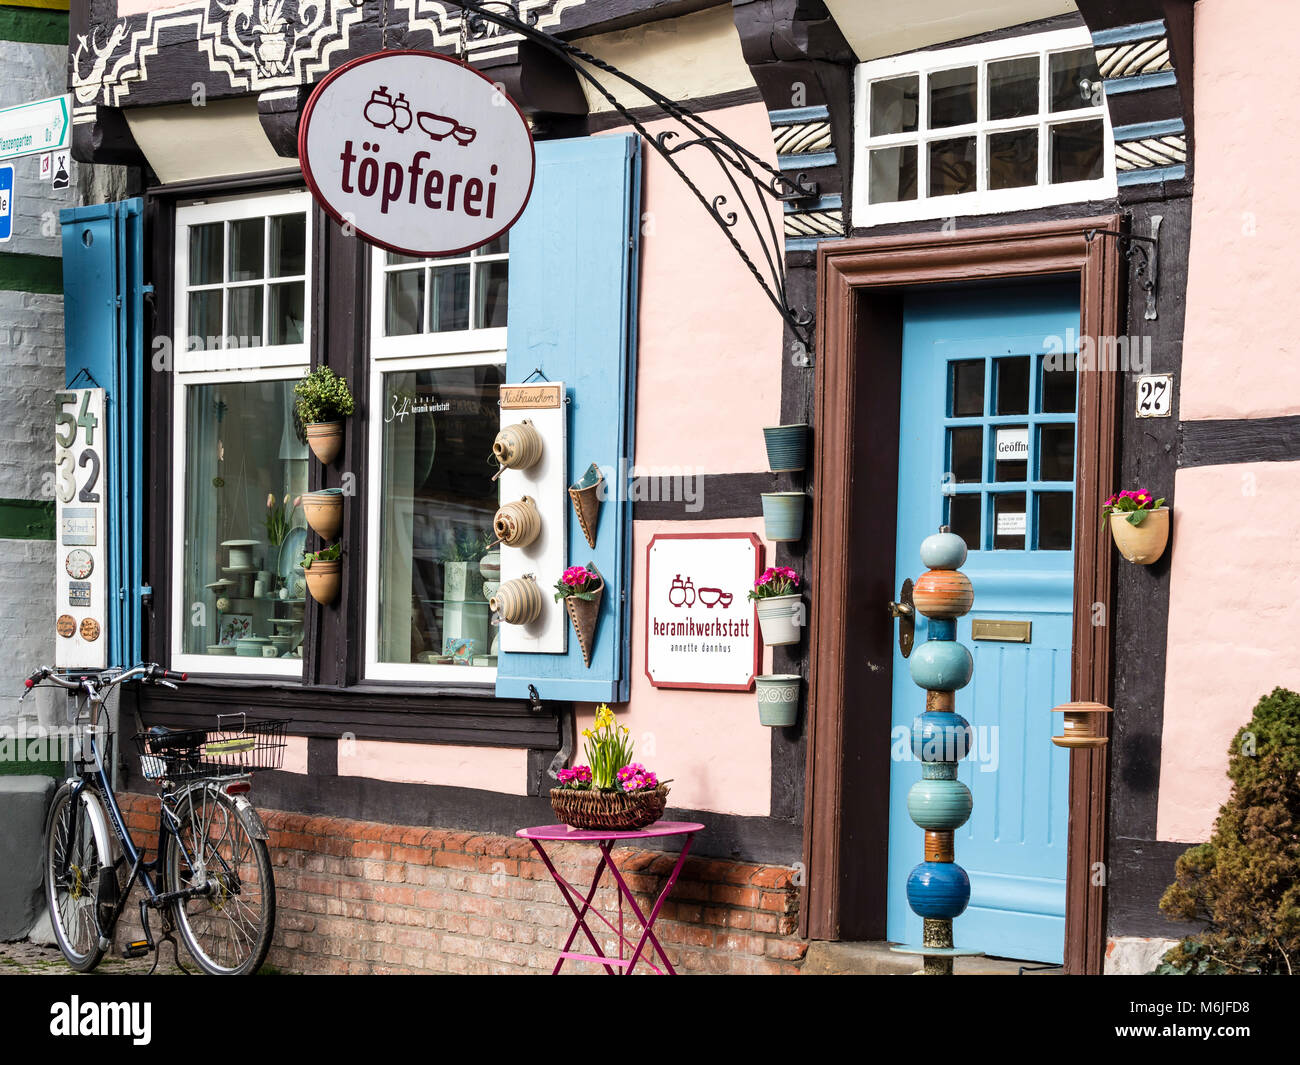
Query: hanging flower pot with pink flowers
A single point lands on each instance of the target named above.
(779, 604)
(1139, 524)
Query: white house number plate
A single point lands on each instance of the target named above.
(1155, 395)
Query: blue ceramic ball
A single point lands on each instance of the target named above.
(943, 551)
(941, 665)
(938, 889)
(940, 736)
(939, 805)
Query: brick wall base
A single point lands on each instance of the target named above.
(363, 897)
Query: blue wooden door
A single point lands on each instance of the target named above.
(987, 447)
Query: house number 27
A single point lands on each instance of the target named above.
(1155, 394)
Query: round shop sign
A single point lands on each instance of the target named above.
(416, 152)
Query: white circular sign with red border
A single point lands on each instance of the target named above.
(417, 153)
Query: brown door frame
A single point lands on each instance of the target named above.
(858, 346)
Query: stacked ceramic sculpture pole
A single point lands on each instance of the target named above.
(938, 889)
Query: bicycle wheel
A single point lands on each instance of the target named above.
(74, 871)
(228, 928)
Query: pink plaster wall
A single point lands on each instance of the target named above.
(1232, 615)
(497, 769)
(709, 351)
(709, 743)
(1245, 214)
(295, 754)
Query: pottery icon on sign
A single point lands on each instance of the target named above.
(440, 127)
(383, 112)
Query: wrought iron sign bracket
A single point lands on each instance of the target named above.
(751, 190)
(1144, 254)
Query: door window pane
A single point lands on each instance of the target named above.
(247, 237)
(952, 97)
(1056, 453)
(1055, 520)
(1009, 521)
(1010, 452)
(241, 448)
(894, 105)
(1013, 159)
(893, 174)
(964, 518)
(436, 508)
(966, 454)
(1012, 383)
(952, 166)
(967, 388)
(1077, 151)
(1067, 71)
(1059, 388)
(1013, 87)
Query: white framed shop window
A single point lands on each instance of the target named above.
(980, 129)
(438, 355)
(242, 282)
(243, 286)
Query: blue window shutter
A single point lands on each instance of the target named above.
(573, 282)
(103, 319)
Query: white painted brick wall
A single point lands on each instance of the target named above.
(31, 370)
(26, 627)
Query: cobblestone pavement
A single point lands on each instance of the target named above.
(33, 959)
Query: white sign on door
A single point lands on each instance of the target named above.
(701, 629)
(417, 153)
(80, 489)
(1013, 444)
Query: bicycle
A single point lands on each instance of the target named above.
(211, 876)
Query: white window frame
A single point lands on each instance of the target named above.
(262, 205)
(422, 351)
(282, 362)
(451, 342)
(981, 201)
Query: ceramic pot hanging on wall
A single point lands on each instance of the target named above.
(517, 447)
(1145, 543)
(517, 524)
(325, 440)
(324, 512)
(323, 580)
(519, 602)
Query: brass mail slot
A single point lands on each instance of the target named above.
(996, 629)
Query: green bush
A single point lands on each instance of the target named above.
(323, 396)
(1244, 883)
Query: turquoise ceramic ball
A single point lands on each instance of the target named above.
(940, 736)
(939, 805)
(938, 889)
(943, 551)
(940, 665)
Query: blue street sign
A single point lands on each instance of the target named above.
(6, 203)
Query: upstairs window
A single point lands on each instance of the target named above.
(985, 128)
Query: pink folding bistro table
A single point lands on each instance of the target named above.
(606, 839)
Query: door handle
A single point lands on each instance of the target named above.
(905, 612)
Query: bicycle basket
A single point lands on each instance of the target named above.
(238, 745)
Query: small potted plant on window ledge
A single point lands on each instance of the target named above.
(324, 400)
(322, 569)
(610, 791)
(1139, 525)
(780, 606)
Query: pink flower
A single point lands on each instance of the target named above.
(576, 576)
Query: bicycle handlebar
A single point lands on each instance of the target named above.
(90, 679)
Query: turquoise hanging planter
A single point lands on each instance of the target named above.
(783, 515)
(778, 699)
(787, 447)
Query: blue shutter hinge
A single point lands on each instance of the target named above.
(147, 289)
(534, 699)
(146, 593)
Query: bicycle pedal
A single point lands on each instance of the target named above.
(137, 949)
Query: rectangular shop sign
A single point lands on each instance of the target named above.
(701, 629)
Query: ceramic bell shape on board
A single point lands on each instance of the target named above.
(517, 524)
(519, 601)
(517, 447)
